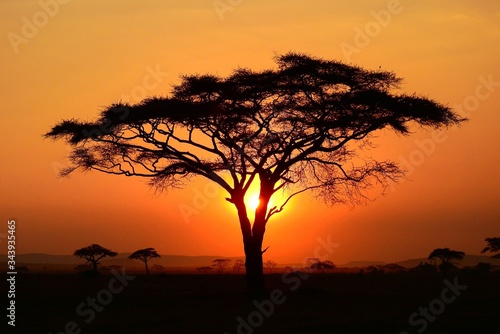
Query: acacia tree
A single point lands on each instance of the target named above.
(305, 125)
(447, 257)
(270, 265)
(205, 269)
(493, 247)
(317, 264)
(237, 265)
(144, 255)
(221, 264)
(93, 254)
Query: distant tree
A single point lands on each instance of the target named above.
(424, 268)
(205, 269)
(318, 265)
(270, 265)
(325, 265)
(311, 260)
(493, 247)
(393, 268)
(447, 257)
(93, 254)
(374, 270)
(221, 264)
(237, 265)
(144, 255)
(157, 268)
(305, 125)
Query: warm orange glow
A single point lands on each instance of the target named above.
(85, 58)
(253, 202)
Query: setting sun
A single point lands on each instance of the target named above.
(271, 158)
(253, 202)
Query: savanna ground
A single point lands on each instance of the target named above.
(322, 303)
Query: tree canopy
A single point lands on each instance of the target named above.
(292, 125)
(493, 247)
(93, 254)
(447, 257)
(305, 125)
(144, 255)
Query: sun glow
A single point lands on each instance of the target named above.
(253, 202)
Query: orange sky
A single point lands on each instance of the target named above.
(87, 54)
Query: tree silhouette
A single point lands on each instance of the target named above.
(205, 269)
(303, 126)
(157, 268)
(493, 247)
(270, 265)
(144, 255)
(424, 268)
(93, 254)
(221, 264)
(393, 268)
(237, 265)
(318, 265)
(447, 257)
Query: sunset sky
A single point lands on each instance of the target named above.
(69, 59)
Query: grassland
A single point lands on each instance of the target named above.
(196, 303)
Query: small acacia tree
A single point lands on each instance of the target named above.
(270, 265)
(205, 269)
(493, 247)
(447, 257)
(237, 265)
(303, 126)
(93, 254)
(221, 264)
(144, 255)
(316, 264)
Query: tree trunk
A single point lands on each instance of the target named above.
(147, 270)
(253, 237)
(254, 276)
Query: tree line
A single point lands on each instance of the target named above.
(447, 258)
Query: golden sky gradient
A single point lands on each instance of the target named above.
(68, 59)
